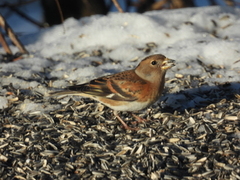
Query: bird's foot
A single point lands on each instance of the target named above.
(125, 126)
(139, 119)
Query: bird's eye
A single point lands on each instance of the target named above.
(154, 62)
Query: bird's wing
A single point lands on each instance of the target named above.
(120, 86)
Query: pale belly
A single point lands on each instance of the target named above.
(131, 106)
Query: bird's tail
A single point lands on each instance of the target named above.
(62, 93)
(67, 92)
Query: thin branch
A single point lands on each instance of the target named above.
(26, 17)
(17, 4)
(159, 5)
(117, 6)
(4, 44)
(230, 2)
(61, 14)
(11, 35)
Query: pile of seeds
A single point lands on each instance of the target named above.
(190, 134)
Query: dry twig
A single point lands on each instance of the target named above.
(14, 7)
(117, 6)
(4, 44)
(11, 35)
(61, 14)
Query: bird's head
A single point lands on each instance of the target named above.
(154, 67)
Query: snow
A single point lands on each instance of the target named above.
(209, 34)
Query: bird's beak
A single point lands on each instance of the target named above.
(168, 63)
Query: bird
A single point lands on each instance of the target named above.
(131, 90)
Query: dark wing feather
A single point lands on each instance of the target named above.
(95, 87)
(104, 87)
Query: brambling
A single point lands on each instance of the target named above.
(131, 90)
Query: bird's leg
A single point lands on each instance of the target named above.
(139, 119)
(122, 122)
